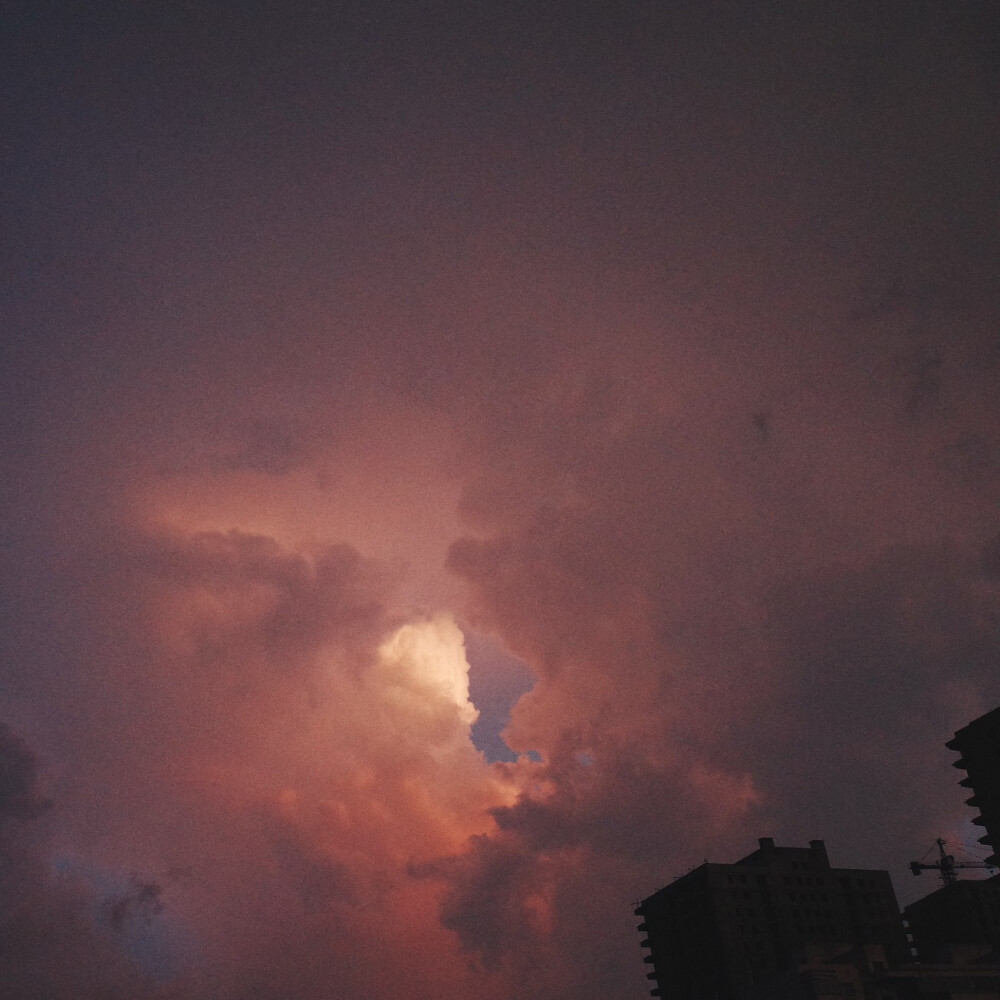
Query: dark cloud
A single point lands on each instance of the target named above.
(884, 659)
(321, 880)
(54, 945)
(140, 904)
(19, 795)
(488, 903)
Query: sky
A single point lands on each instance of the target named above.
(464, 465)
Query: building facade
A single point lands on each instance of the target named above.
(722, 930)
(959, 921)
(979, 746)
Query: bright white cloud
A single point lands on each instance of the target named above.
(428, 659)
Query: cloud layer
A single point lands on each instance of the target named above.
(644, 359)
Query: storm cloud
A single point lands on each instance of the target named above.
(630, 370)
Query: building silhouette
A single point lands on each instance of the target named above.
(960, 922)
(782, 924)
(979, 746)
(721, 931)
(862, 973)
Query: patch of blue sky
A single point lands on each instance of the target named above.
(497, 680)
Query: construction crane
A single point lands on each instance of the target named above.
(946, 864)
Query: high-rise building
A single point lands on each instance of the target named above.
(959, 920)
(979, 746)
(721, 930)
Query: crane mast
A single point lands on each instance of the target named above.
(946, 864)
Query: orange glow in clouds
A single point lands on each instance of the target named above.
(387, 489)
(321, 681)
